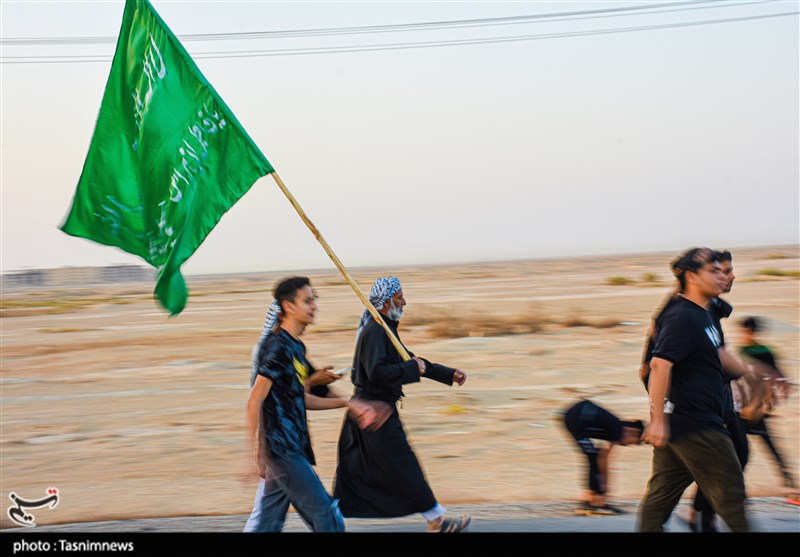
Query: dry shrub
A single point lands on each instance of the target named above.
(330, 281)
(575, 321)
(448, 329)
(425, 315)
(605, 323)
(486, 325)
(778, 273)
(65, 330)
(579, 321)
(198, 293)
(28, 307)
(618, 281)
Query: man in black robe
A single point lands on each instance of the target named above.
(378, 474)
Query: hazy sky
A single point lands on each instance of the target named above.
(564, 143)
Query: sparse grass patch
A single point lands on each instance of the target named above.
(448, 329)
(425, 315)
(649, 277)
(13, 304)
(448, 326)
(776, 256)
(66, 330)
(579, 321)
(452, 323)
(778, 273)
(34, 305)
(605, 323)
(575, 321)
(333, 281)
(333, 328)
(47, 306)
(618, 281)
(197, 294)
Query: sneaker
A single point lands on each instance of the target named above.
(614, 510)
(587, 509)
(793, 499)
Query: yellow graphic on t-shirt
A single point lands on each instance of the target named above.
(301, 371)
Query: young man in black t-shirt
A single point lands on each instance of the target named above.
(719, 310)
(587, 423)
(281, 455)
(686, 386)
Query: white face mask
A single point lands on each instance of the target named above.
(395, 312)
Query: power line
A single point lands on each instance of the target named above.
(461, 42)
(433, 25)
(395, 46)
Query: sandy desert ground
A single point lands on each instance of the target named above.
(130, 413)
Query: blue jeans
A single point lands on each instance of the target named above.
(293, 481)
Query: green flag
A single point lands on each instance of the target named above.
(167, 158)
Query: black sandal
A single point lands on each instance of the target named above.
(452, 525)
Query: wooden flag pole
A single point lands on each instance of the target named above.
(395, 341)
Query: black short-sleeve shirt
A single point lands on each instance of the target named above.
(586, 420)
(282, 359)
(720, 309)
(688, 338)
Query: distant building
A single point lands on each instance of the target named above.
(72, 276)
(34, 277)
(126, 273)
(77, 276)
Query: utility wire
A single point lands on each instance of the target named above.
(395, 46)
(434, 25)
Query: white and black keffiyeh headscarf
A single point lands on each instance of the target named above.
(273, 313)
(382, 289)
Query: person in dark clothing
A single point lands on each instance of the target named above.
(319, 380)
(279, 445)
(719, 310)
(686, 388)
(378, 474)
(588, 422)
(759, 401)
